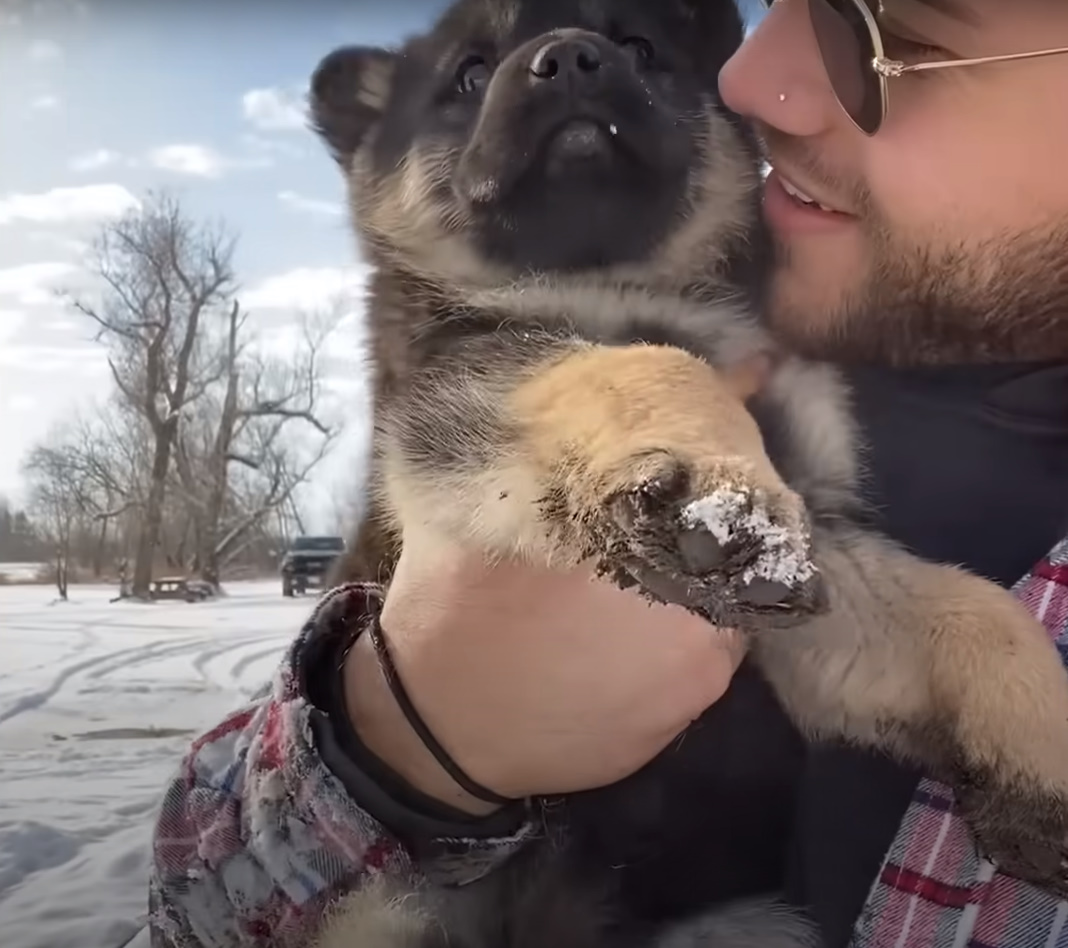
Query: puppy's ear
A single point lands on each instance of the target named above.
(348, 95)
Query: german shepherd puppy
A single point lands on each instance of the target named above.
(560, 212)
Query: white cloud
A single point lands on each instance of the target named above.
(197, 160)
(44, 51)
(93, 202)
(11, 321)
(200, 161)
(45, 102)
(307, 288)
(21, 403)
(274, 110)
(81, 361)
(281, 341)
(65, 325)
(34, 284)
(59, 241)
(94, 160)
(312, 205)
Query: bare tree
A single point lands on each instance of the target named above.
(162, 277)
(97, 451)
(82, 484)
(199, 458)
(59, 497)
(238, 456)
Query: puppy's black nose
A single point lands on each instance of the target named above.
(571, 58)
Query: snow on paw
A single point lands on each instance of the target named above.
(713, 541)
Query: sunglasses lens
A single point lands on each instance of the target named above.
(848, 48)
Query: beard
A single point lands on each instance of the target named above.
(1001, 300)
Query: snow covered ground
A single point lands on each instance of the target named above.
(97, 703)
(21, 572)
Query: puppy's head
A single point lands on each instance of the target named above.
(545, 136)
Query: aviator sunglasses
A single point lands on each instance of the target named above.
(851, 46)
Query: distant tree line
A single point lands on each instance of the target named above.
(20, 540)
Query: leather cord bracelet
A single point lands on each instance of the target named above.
(417, 724)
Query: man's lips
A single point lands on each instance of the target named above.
(798, 195)
(791, 213)
(802, 195)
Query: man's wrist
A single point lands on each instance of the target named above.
(381, 726)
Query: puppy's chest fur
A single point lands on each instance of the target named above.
(414, 322)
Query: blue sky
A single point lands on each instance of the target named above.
(103, 99)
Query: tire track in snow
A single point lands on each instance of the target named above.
(238, 668)
(123, 657)
(87, 638)
(207, 632)
(205, 649)
(201, 662)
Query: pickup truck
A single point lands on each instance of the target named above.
(307, 562)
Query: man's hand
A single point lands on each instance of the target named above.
(535, 682)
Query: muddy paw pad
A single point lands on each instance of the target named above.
(652, 503)
(737, 530)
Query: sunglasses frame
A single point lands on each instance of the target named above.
(886, 68)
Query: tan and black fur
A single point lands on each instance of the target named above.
(560, 213)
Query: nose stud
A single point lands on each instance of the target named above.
(782, 96)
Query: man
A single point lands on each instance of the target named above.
(927, 251)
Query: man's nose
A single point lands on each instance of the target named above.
(777, 76)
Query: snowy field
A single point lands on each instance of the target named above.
(20, 572)
(97, 703)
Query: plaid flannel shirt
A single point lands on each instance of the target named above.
(256, 836)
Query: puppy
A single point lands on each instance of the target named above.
(560, 215)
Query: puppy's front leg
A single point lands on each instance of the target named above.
(642, 458)
(945, 669)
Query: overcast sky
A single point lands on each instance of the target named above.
(103, 99)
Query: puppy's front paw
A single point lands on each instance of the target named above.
(1023, 831)
(709, 537)
(655, 468)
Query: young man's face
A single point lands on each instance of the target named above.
(952, 243)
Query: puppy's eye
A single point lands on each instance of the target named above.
(640, 48)
(472, 74)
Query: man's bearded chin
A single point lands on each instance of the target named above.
(1003, 301)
